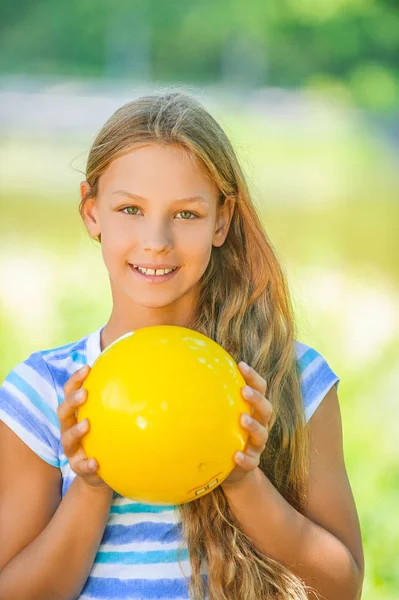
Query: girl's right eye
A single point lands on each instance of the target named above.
(127, 208)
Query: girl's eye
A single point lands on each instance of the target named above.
(187, 212)
(127, 208)
(128, 211)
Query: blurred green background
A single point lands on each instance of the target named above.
(309, 94)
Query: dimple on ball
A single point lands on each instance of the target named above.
(164, 405)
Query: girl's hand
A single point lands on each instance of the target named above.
(257, 425)
(72, 432)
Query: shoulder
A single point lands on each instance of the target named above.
(46, 369)
(61, 362)
(31, 392)
(316, 377)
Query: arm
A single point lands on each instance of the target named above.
(323, 547)
(48, 544)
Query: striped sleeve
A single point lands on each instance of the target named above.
(28, 404)
(316, 377)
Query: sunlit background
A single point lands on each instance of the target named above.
(309, 94)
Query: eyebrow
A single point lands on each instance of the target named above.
(199, 199)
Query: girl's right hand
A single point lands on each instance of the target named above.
(72, 431)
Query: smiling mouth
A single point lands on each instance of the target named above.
(156, 272)
(153, 278)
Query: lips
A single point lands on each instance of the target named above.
(154, 266)
(153, 278)
(140, 268)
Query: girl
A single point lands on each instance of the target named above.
(164, 190)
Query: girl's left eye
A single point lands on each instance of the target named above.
(187, 212)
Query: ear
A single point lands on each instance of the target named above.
(223, 220)
(90, 210)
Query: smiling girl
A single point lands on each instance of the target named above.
(166, 199)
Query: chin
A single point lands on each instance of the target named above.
(152, 301)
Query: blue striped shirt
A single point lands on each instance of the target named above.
(142, 555)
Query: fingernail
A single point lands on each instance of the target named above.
(246, 419)
(244, 366)
(82, 369)
(80, 395)
(247, 391)
(82, 425)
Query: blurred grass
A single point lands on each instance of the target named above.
(327, 192)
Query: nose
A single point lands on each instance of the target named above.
(157, 238)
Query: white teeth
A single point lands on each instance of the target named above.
(153, 271)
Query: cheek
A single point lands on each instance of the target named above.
(115, 245)
(117, 233)
(197, 251)
(195, 241)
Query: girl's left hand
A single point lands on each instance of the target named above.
(257, 425)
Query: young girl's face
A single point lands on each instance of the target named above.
(156, 208)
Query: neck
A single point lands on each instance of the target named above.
(121, 322)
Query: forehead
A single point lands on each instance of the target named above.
(155, 171)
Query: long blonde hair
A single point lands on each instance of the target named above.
(244, 305)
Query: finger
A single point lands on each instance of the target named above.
(253, 378)
(85, 466)
(246, 461)
(72, 439)
(76, 380)
(262, 407)
(258, 434)
(66, 411)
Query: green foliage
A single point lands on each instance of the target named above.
(279, 42)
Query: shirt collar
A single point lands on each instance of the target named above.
(93, 346)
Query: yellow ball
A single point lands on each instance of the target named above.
(164, 406)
